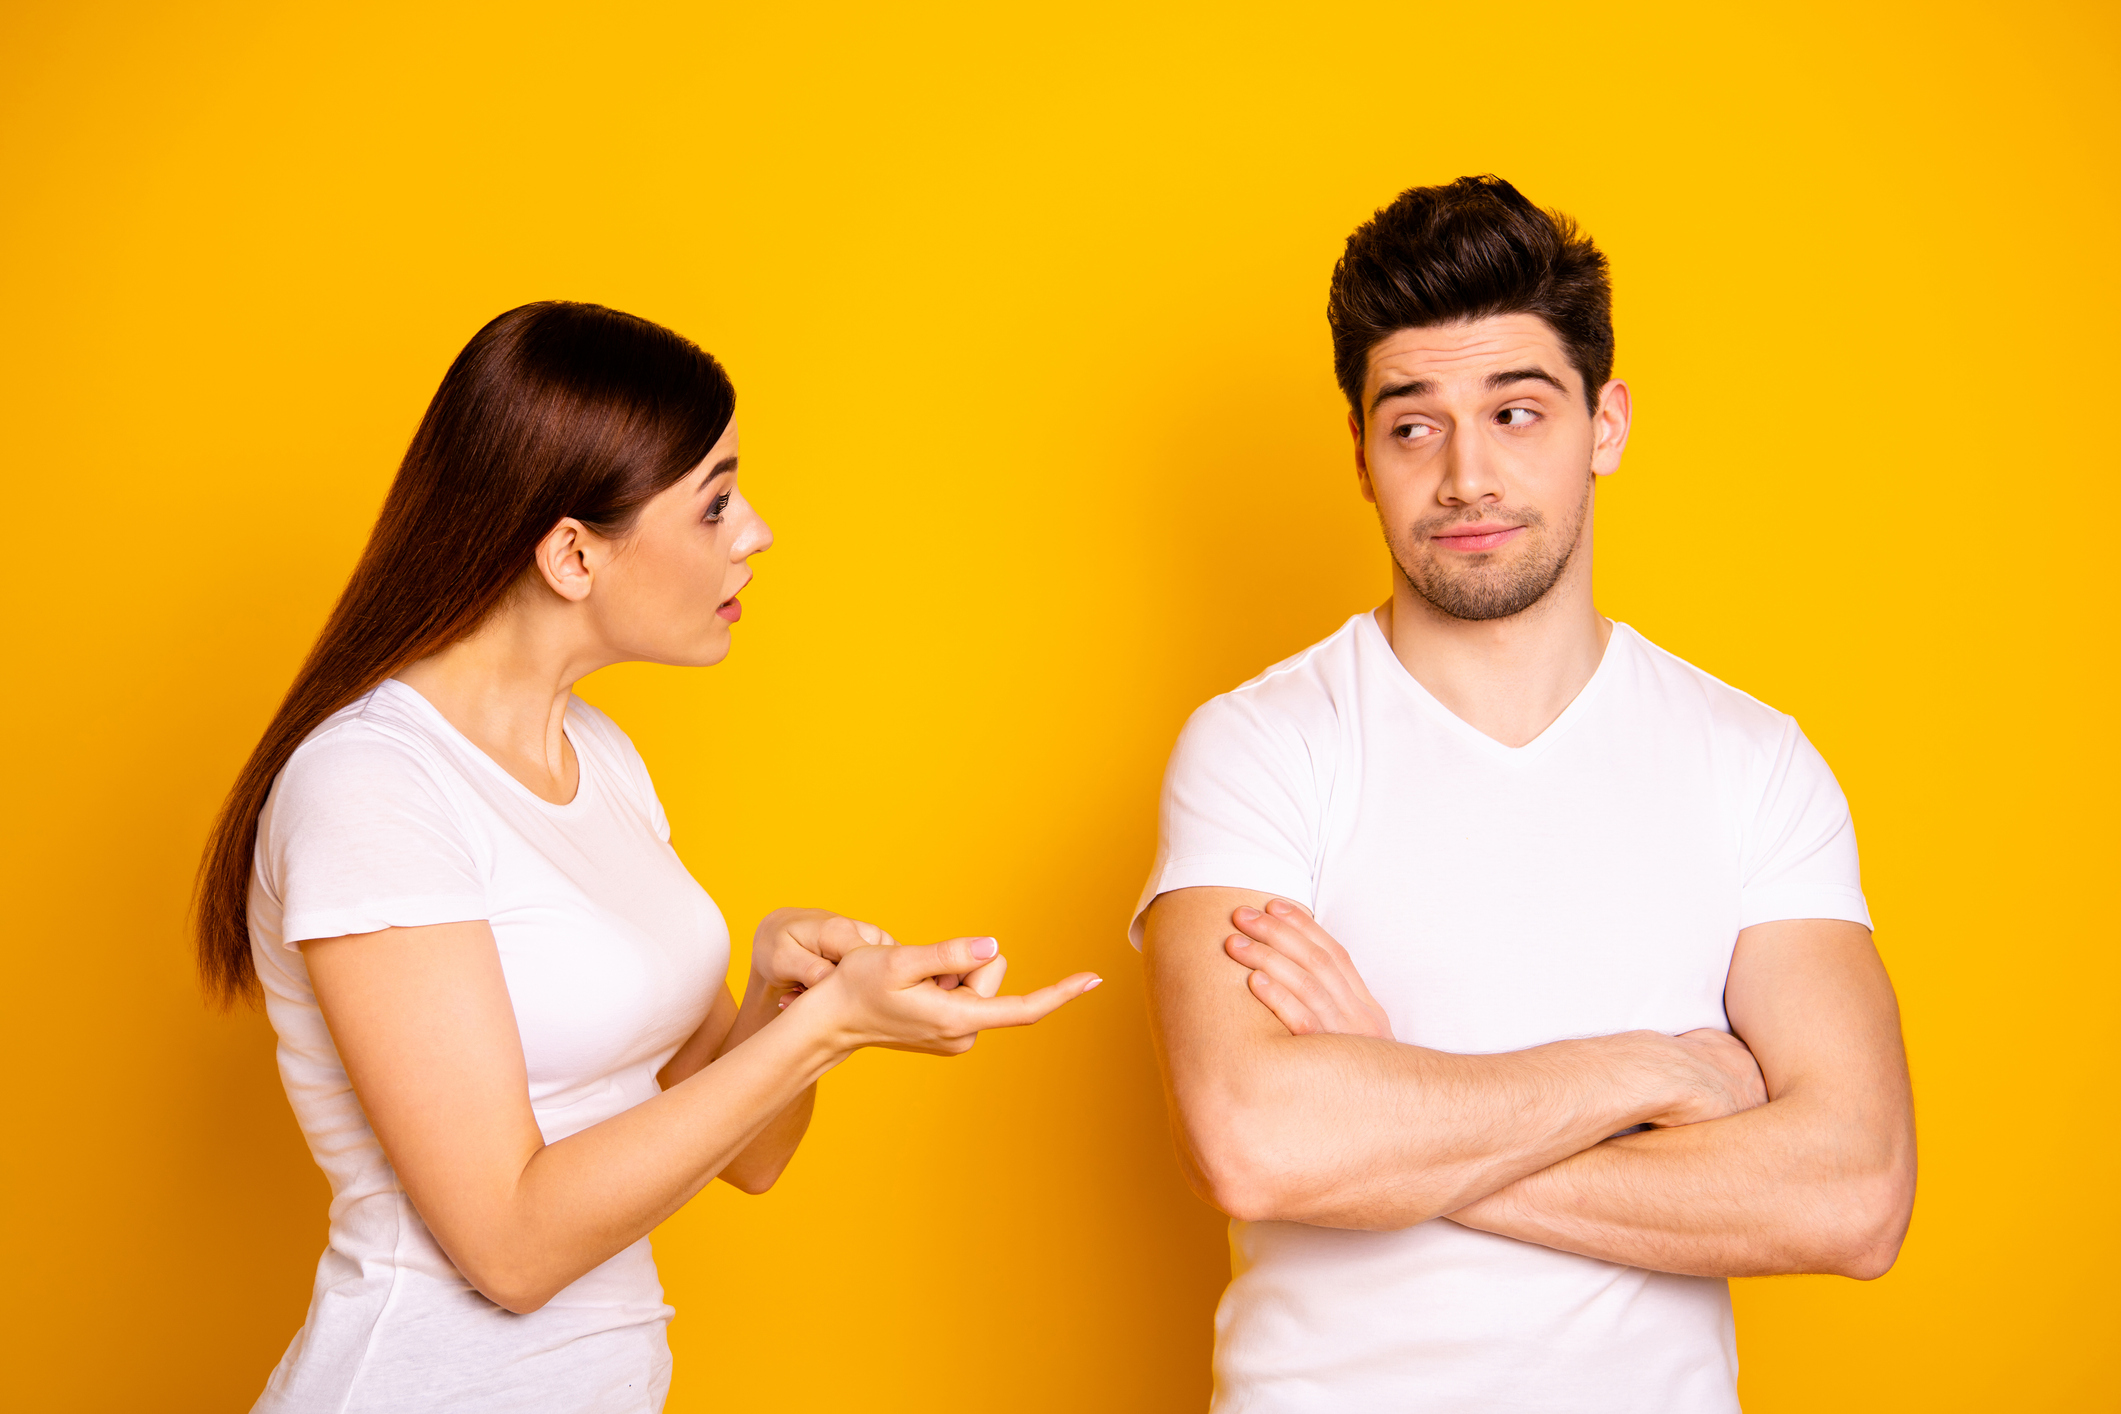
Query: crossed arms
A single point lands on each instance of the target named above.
(1788, 1149)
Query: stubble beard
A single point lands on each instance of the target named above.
(1478, 592)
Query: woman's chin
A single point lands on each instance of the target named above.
(714, 650)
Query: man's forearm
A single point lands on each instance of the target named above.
(1788, 1187)
(1351, 1131)
(1345, 1128)
(1820, 1179)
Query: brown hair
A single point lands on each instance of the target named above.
(1468, 250)
(553, 410)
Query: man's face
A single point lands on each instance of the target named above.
(1479, 453)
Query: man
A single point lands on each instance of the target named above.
(1512, 978)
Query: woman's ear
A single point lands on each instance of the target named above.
(563, 559)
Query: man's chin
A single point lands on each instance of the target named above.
(1483, 596)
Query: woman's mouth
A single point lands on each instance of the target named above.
(731, 609)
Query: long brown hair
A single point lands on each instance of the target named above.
(552, 410)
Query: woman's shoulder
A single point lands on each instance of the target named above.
(596, 724)
(376, 747)
(595, 731)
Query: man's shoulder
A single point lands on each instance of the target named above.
(1303, 689)
(1681, 687)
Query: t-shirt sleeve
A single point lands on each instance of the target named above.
(1239, 810)
(359, 834)
(1799, 854)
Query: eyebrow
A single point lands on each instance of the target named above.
(721, 468)
(1420, 386)
(1526, 375)
(1401, 390)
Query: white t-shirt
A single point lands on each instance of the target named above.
(388, 817)
(1494, 898)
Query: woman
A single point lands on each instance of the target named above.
(498, 994)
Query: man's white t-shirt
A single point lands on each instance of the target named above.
(387, 816)
(1589, 882)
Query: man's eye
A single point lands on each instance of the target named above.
(1517, 417)
(1413, 430)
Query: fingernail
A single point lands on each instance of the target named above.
(1093, 984)
(985, 947)
(1278, 905)
(1246, 914)
(1240, 941)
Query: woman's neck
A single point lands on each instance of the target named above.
(506, 689)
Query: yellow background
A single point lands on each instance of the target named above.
(1024, 306)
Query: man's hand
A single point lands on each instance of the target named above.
(1306, 978)
(1302, 975)
(1821, 1178)
(1723, 1078)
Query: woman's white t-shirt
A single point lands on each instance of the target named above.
(1592, 881)
(387, 816)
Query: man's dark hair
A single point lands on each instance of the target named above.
(1438, 255)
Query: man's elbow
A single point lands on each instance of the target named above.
(1239, 1186)
(1238, 1162)
(1863, 1233)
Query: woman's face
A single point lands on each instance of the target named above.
(668, 591)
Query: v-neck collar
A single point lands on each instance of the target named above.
(1474, 737)
(576, 805)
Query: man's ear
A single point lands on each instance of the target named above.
(1362, 461)
(1609, 427)
(563, 559)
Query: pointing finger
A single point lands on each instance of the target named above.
(991, 1012)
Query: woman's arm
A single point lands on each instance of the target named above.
(794, 948)
(423, 1023)
(728, 1026)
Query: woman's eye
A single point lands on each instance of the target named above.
(1517, 417)
(716, 507)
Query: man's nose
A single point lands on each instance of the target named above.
(1472, 474)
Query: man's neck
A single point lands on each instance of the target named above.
(1506, 678)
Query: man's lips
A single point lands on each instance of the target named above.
(1472, 539)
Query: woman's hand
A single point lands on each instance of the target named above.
(891, 996)
(796, 948)
(1302, 975)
